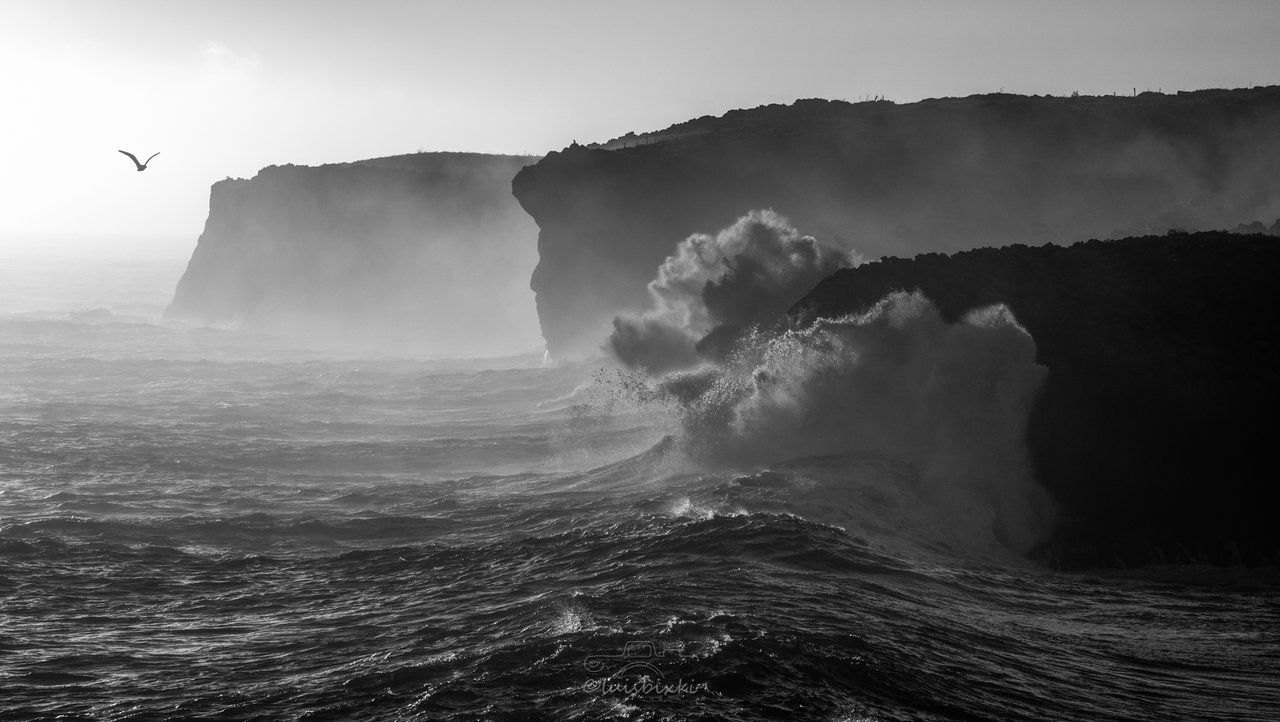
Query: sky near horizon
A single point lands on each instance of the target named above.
(223, 88)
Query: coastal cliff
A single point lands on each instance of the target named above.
(427, 251)
(879, 178)
(1152, 428)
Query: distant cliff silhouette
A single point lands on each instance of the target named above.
(879, 178)
(428, 251)
(1154, 427)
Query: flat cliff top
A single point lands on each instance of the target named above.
(437, 163)
(812, 114)
(1178, 156)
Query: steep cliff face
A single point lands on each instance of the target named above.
(879, 178)
(1154, 424)
(426, 251)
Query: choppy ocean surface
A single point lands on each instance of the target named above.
(201, 524)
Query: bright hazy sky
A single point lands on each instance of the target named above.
(222, 88)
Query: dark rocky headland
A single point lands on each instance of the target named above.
(1154, 427)
(884, 179)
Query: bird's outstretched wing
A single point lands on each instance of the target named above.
(133, 158)
(152, 156)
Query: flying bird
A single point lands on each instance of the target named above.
(134, 158)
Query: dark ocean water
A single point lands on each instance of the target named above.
(199, 524)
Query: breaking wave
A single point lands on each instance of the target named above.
(944, 405)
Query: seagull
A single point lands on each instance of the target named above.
(141, 166)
